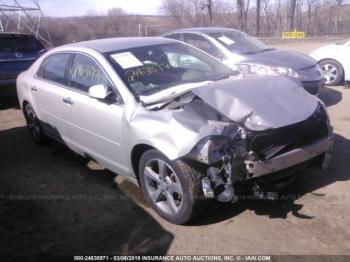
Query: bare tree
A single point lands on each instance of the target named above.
(339, 3)
(242, 15)
(299, 13)
(266, 4)
(257, 17)
(315, 18)
(291, 14)
(209, 5)
(186, 12)
(174, 9)
(115, 21)
(115, 12)
(279, 17)
(309, 4)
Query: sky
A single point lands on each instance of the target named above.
(81, 7)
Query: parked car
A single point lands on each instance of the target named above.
(335, 62)
(185, 131)
(17, 53)
(251, 56)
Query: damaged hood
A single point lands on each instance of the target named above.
(261, 102)
(291, 59)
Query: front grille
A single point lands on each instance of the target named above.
(263, 143)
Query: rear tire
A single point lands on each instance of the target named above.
(333, 72)
(173, 188)
(34, 127)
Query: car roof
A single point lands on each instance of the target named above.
(115, 44)
(203, 30)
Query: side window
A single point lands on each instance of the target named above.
(86, 73)
(203, 44)
(40, 72)
(54, 68)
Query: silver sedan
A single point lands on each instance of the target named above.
(174, 120)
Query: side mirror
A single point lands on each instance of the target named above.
(99, 92)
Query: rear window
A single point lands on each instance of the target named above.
(19, 44)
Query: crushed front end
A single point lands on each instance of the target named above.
(261, 161)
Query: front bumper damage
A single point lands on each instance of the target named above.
(257, 168)
(243, 156)
(223, 183)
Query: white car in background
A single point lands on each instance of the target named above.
(334, 60)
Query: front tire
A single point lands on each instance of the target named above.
(34, 126)
(333, 72)
(172, 188)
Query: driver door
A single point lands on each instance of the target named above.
(95, 126)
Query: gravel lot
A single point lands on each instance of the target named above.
(52, 202)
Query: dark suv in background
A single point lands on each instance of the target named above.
(17, 53)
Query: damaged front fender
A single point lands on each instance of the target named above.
(176, 132)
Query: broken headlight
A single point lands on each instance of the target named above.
(210, 150)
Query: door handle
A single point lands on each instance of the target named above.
(33, 88)
(68, 101)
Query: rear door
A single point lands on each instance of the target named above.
(94, 125)
(49, 90)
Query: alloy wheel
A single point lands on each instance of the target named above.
(330, 73)
(163, 186)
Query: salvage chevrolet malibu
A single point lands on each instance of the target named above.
(184, 129)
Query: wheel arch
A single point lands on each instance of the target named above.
(333, 59)
(29, 100)
(24, 103)
(136, 154)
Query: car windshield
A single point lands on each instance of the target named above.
(19, 44)
(240, 43)
(150, 69)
